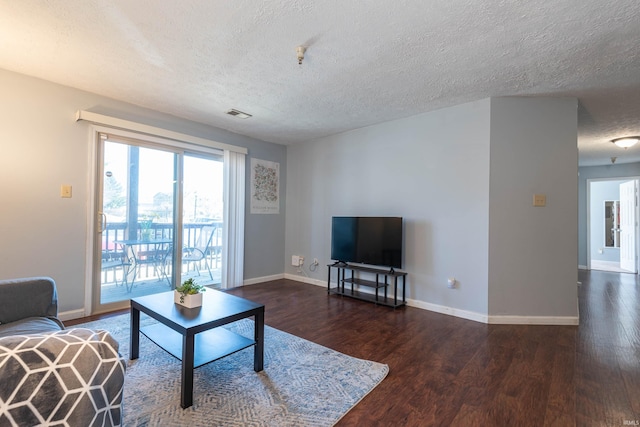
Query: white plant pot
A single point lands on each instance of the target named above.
(190, 301)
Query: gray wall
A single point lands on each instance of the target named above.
(456, 175)
(602, 191)
(431, 169)
(619, 170)
(43, 147)
(532, 250)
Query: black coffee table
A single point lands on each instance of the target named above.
(193, 335)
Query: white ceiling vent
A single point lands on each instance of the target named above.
(239, 114)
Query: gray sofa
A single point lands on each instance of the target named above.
(28, 306)
(50, 375)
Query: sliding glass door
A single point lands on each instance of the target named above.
(160, 212)
(202, 219)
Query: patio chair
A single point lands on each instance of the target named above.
(215, 246)
(198, 253)
(112, 261)
(143, 255)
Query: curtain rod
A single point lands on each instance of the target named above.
(114, 122)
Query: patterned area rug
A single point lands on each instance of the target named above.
(303, 384)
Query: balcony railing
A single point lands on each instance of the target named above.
(117, 265)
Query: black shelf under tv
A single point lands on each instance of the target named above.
(381, 283)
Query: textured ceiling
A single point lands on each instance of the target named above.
(366, 62)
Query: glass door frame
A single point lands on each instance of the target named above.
(95, 223)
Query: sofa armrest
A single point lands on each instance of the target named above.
(28, 297)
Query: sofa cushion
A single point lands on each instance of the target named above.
(28, 297)
(73, 377)
(30, 325)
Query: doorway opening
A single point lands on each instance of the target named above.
(612, 224)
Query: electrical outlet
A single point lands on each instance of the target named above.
(295, 260)
(300, 260)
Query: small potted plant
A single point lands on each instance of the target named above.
(189, 294)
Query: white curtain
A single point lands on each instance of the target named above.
(233, 228)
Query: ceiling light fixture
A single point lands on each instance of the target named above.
(300, 50)
(239, 114)
(626, 142)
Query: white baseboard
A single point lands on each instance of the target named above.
(289, 276)
(494, 320)
(304, 279)
(257, 280)
(443, 309)
(71, 314)
(582, 267)
(534, 320)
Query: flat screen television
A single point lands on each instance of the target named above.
(367, 240)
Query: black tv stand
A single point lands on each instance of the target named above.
(354, 280)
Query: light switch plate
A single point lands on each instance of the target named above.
(65, 191)
(539, 200)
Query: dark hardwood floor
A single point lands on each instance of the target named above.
(449, 371)
(608, 350)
